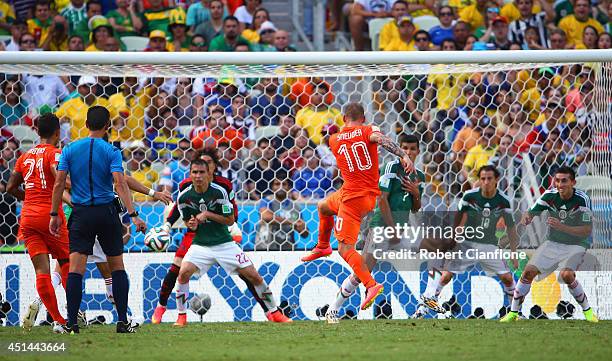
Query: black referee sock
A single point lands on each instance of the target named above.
(120, 292)
(74, 293)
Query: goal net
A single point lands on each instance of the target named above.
(269, 116)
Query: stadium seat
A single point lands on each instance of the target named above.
(135, 43)
(426, 22)
(589, 183)
(375, 25)
(266, 132)
(26, 136)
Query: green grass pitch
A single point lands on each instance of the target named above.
(350, 340)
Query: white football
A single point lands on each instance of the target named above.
(200, 304)
(157, 239)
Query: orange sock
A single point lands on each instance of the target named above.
(326, 225)
(47, 295)
(65, 269)
(355, 260)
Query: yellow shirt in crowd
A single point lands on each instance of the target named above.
(460, 4)
(448, 87)
(314, 121)
(512, 13)
(476, 158)
(147, 177)
(75, 110)
(420, 12)
(574, 28)
(134, 123)
(472, 16)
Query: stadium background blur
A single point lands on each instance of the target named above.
(272, 133)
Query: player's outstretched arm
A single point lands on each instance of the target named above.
(138, 187)
(13, 186)
(393, 148)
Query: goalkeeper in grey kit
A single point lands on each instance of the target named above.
(206, 209)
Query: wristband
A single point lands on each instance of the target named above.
(151, 193)
(53, 214)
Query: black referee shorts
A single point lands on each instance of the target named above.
(88, 222)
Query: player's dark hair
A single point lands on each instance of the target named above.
(566, 170)
(98, 117)
(47, 125)
(489, 168)
(408, 138)
(354, 111)
(198, 161)
(208, 152)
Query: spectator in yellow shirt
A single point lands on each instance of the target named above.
(74, 111)
(474, 14)
(129, 126)
(479, 155)
(318, 114)
(459, 5)
(7, 17)
(390, 31)
(138, 167)
(40, 25)
(469, 135)
(511, 11)
(574, 24)
(421, 7)
(101, 30)
(446, 88)
(405, 40)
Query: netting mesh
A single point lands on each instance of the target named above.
(271, 125)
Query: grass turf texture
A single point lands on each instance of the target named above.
(350, 340)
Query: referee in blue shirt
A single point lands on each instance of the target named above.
(93, 164)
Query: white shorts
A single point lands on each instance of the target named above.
(227, 255)
(491, 265)
(553, 255)
(98, 255)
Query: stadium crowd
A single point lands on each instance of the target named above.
(272, 133)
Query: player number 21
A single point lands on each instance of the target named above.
(30, 163)
(355, 149)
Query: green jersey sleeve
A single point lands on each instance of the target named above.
(388, 174)
(542, 204)
(186, 207)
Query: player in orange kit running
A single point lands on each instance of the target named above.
(356, 150)
(36, 170)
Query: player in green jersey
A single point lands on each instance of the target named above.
(570, 223)
(479, 211)
(206, 209)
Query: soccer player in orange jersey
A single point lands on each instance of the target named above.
(36, 170)
(356, 150)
